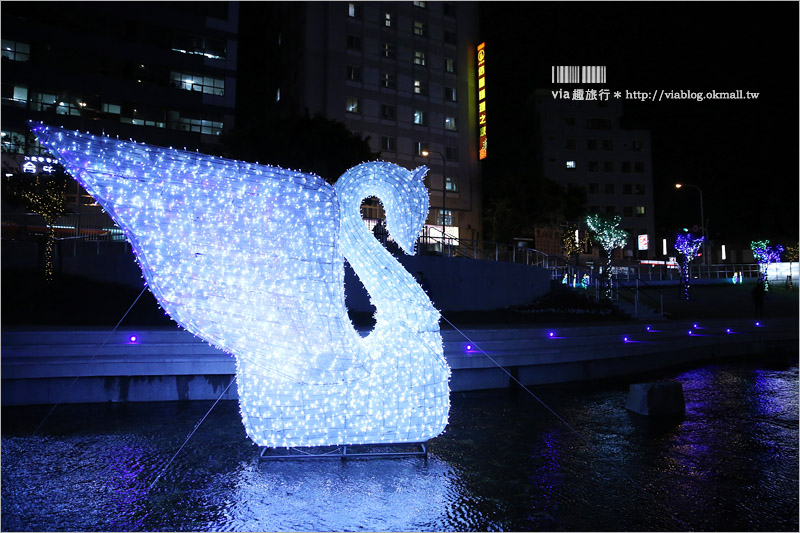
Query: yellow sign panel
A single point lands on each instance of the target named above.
(482, 100)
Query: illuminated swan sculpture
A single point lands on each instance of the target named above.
(251, 259)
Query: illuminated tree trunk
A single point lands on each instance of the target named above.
(607, 293)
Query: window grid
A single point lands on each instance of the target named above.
(198, 83)
(16, 50)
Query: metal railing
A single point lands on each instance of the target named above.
(89, 226)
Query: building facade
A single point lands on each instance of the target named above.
(400, 74)
(162, 73)
(582, 143)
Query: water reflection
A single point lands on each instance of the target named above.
(504, 463)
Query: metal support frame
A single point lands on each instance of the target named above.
(345, 451)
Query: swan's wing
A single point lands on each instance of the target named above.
(245, 256)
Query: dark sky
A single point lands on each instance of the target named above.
(743, 154)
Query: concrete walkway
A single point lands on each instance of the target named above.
(74, 365)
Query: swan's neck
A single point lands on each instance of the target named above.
(396, 295)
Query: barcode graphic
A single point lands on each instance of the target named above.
(576, 74)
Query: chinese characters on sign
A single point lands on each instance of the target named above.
(482, 100)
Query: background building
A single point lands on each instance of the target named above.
(163, 73)
(401, 74)
(581, 142)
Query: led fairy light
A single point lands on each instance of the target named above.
(688, 246)
(766, 255)
(250, 258)
(610, 236)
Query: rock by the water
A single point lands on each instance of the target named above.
(656, 399)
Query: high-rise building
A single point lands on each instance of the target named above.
(581, 142)
(163, 73)
(402, 74)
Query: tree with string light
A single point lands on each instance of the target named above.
(688, 246)
(573, 244)
(765, 255)
(45, 196)
(607, 233)
(791, 256)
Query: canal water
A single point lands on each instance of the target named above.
(505, 462)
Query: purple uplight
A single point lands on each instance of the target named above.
(468, 347)
(625, 339)
(551, 334)
(133, 339)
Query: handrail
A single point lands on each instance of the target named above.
(637, 293)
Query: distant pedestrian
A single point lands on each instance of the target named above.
(758, 298)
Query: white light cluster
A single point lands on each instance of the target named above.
(250, 258)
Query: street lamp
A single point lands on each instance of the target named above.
(426, 153)
(702, 216)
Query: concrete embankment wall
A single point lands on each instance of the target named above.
(79, 366)
(455, 284)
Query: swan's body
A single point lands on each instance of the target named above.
(250, 258)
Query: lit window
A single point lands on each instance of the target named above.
(639, 210)
(450, 185)
(387, 19)
(446, 217)
(199, 45)
(15, 93)
(352, 10)
(353, 105)
(278, 95)
(388, 81)
(199, 83)
(571, 164)
(388, 50)
(419, 117)
(450, 65)
(420, 87)
(13, 142)
(450, 123)
(420, 4)
(111, 109)
(419, 58)
(16, 51)
(420, 147)
(184, 123)
(419, 28)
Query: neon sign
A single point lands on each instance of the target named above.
(482, 101)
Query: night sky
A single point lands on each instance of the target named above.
(743, 154)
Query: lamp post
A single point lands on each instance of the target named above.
(426, 153)
(702, 216)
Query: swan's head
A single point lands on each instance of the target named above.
(402, 193)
